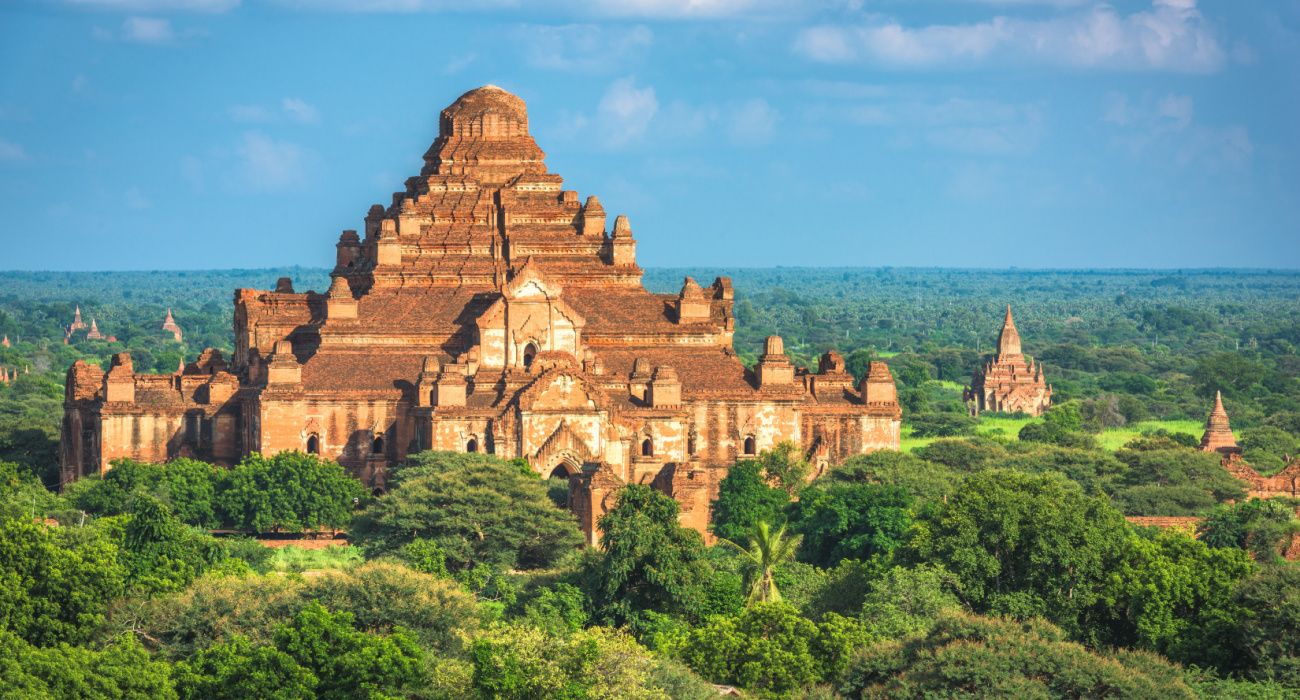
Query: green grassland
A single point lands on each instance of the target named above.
(1008, 427)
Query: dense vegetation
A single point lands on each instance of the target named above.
(990, 558)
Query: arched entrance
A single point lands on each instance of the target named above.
(313, 444)
(530, 352)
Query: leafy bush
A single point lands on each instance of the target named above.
(290, 491)
(475, 507)
(770, 649)
(963, 655)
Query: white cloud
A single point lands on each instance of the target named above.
(585, 48)
(1177, 108)
(249, 114)
(299, 111)
(680, 8)
(396, 6)
(135, 200)
(958, 124)
(650, 9)
(457, 65)
(625, 111)
(291, 109)
(157, 5)
(1170, 36)
(1163, 129)
(752, 122)
(147, 30)
(269, 164)
(11, 152)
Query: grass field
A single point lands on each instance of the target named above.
(293, 559)
(1115, 438)
(1009, 428)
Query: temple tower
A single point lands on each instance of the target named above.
(1218, 434)
(169, 325)
(1007, 381)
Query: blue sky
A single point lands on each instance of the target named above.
(146, 134)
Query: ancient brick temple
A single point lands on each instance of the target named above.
(1008, 382)
(487, 309)
(1218, 437)
(170, 325)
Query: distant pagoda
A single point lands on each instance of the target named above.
(169, 325)
(1008, 382)
(1218, 434)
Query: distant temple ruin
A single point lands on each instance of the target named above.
(1218, 438)
(487, 309)
(91, 333)
(1007, 382)
(169, 325)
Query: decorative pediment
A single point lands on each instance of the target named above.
(564, 445)
(530, 283)
(562, 390)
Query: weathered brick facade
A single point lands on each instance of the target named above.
(487, 309)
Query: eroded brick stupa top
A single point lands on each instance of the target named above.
(484, 133)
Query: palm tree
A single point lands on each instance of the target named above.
(766, 550)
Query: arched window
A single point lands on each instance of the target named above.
(749, 445)
(313, 444)
(377, 447)
(530, 351)
(472, 445)
(647, 448)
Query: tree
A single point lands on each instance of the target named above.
(476, 508)
(962, 455)
(1096, 471)
(1173, 482)
(1023, 544)
(380, 596)
(942, 425)
(922, 479)
(1263, 631)
(559, 609)
(1164, 592)
(963, 655)
(187, 486)
(22, 495)
(745, 498)
(1228, 372)
(290, 491)
(764, 552)
(1263, 527)
(907, 601)
(649, 561)
(785, 466)
(515, 662)
(769, 648)
(55, 586)
(348, 663)
(121, 669)
(160, 553)
(236, 669)
(840, 520)
(316, 654)
(1268, 448)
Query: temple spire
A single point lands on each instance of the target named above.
(1009, 338)
(1218, 433)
